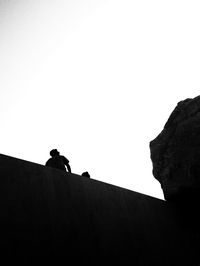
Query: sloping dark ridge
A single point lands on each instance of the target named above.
(48, 215)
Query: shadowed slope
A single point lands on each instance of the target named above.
(54, 215)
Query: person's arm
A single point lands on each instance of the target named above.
(66, 162)
(68, 168)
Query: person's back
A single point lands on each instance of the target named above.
(58, 161)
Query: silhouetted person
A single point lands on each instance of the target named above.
(58, 161)
(86, 174)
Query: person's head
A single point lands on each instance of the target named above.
(54, 152)
(86, 174)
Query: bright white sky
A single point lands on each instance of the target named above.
(97, 80)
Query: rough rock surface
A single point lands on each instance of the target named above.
(175, 152)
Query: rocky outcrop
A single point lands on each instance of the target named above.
(175, 152)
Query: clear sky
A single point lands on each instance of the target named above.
(97, 80)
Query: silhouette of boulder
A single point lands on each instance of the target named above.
(175, 153)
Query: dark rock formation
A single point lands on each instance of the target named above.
(175, 153)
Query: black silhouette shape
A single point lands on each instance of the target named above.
(175, 153)
(58, 161)
(86, 174)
